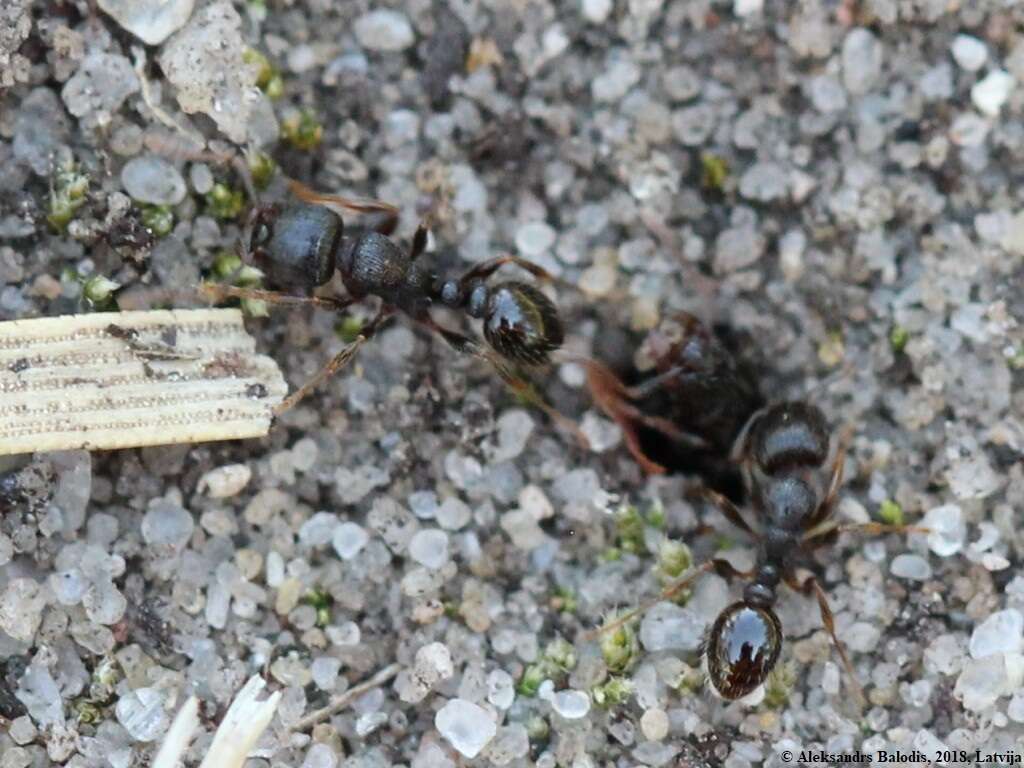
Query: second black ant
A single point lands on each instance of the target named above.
(301, 245)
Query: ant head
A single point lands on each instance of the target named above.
(296, 245)
(742, 648)
(789, 435)
(520, 323)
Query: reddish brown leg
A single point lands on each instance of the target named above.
(730, 510)
(219, 292)
(487, 268)
(336, 202)
(338, 362)
(723, 568)
(811, 587)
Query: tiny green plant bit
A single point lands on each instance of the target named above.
(629, 526)
(898, 338)
(262, 168)
(890, 512)
(225, 203)
(564, 600)
(612, 693)
(321, 601)
(98, 292)
(302, 130)
(529, 683)
(674, 559)
(560, 654)
(268, 78)
(229, 268)
(779, 686)
(158, 219)
(349, 328)
(68, 190)
(714, 171)
(619, 647)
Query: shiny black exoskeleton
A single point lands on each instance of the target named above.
(783, 451)
(300, 246)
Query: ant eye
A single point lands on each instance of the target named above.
(742, 649)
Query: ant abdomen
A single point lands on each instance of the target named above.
(521, 323)
(298, 246)
(742, 648)
(789, 435)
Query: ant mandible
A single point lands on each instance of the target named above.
(782, 453)
(301, 245)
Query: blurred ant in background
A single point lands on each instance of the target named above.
(301, 245)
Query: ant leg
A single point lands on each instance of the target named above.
(513, 380)
(219, 292)
(824, 510)
(809, 587)
(336, 202)
(730, 510)
(487, 268)
(419, 240)
(723, 568)
(336, 363)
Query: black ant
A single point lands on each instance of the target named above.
(710, 394)
(781, 452)
(301, 245)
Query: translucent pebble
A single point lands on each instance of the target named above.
(38, 691)
(151, 179)
(453, 514)
(23, 730)
(534, 239)
(349, 539)
(319, 530)
(101, 83)
(512, 742)
(669, 627)
(304, 454)
(990, 93)
(614, 83)
(969, 52)
(981, 682)
(345, 634)
(423, 504)
(370, 722)
(321, 756)
(500, 689)
(830, 679)
(826, 93)
(225, 482)
(523, 529)
(104, 603)
(948, 529)
(1002, 632)
(655, 753)
(167, 525)
(466, 726)
(862, 60)
(745, 8)
(152, 21)
(937, 83)
(737, 248)
(654, 724)
(429, 548)
(969, 130)
(862, 637)
(434, 663)
(21, 609)
(74, 486)
(570, 704)
(384, 30)
(514, 429)
(1015, 709)
(596, 11)
(910, 566)
(763, 182)
(325, 672)
(141, 712)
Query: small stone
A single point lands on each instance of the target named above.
(384, 30)
(349, 539)
(654, 724)
(205, 62)
(141, 712)
(38, 691)
(100, 84)
(523, 529)
(319, 530)
(325, 672)
(937, 83)
(737, 248)
(501, 690)
(596, 11)
(948, 529)
(615, 82)
(167, 526)
(466, 726)
(152, 21)
(827, 94)
(429, 548)
(225, 482)
(669, 627)
(21, 609)
(514, 429)
(969, 52)
(321, 755)
(763, 182)
(990, 93)
(534, 239)
(1002, 632)
(453, 514)
(969, 130)
(746, 8)
(862, 61)
(1015, 709)
(982, 682)
(570, 704)
(151, 179)
(910, 566)
(370, 722)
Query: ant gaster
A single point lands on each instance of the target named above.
(301, 245)
(782, 452)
